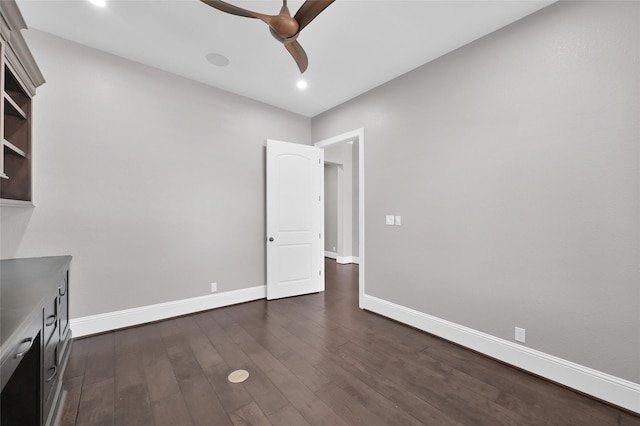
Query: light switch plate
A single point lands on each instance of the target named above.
(398, 220)
(390, 220)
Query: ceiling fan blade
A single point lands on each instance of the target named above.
(234, 10)
(299, 55)
(229, 8)
(309, 10)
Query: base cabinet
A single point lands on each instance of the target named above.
(36, 339)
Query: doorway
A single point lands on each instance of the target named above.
(344, 155)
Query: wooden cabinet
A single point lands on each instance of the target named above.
(57, 343)
(16, 139)
(19, 77)
(63, 316)
(50, 353)
(35, 339)
(20, 396)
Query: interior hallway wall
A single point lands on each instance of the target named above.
(331, 208)
(355, 200)
(341, 154)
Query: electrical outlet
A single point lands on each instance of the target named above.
(520, 335)
(398, 220)
(334, 249)
(390, 220)
(214, 287)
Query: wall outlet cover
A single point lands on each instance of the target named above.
(214, 287)
(520, 335)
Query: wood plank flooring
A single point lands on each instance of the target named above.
(313, 360)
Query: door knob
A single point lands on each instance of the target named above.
(270, 239)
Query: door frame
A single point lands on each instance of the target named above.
(354, 135)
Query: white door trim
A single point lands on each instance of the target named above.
(355, 135)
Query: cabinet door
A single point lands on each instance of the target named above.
(50, 354)
(63, 305)
(20, 397)
(50, 379)
(50, 322)
(63, 318)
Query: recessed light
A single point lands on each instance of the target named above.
(100, 3)
(302, 84)
(217, 59)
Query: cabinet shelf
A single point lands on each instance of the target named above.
(12, 108)
(14, 149)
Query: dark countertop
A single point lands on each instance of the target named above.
(25, 286)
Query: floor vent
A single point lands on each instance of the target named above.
(238, 376)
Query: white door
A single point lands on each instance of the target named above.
(295, 256)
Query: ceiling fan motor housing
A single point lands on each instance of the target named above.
(284, 26)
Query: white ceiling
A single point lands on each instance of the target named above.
(353, 46)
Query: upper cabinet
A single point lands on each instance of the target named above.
(19, 78)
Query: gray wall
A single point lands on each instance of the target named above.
(331, 208)
(514, 162)
(154, 183)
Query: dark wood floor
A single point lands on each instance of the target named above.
(314, 359)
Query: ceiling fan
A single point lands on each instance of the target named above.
(283, 27)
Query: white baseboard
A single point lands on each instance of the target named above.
(130, 317)
(331, 255)
(347, 259)
(609, 388)
(342, 259)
